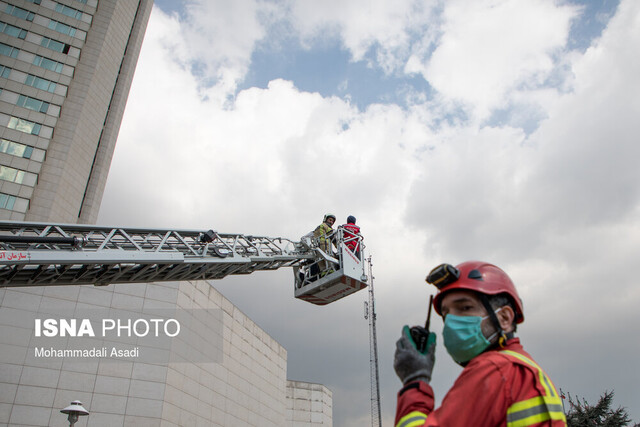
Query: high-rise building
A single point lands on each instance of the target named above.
(66, 67)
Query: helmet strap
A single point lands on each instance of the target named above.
(502, 335)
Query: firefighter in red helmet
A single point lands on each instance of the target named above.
(500, 384)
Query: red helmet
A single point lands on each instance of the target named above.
(474, 276)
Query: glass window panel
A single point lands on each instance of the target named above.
(13, 31)
(28, 151)
(15, 149)
(44, 107)
(7, 50)
(30, 103)
(20, 13)
(62, 28)
(15, 11)
(5, 71)
(20, 150)
(40, 83)
(3, 200)
(22, 125)
(8, 174)
(47, 63)
(53, 44)
(10, 202)
(69, 11)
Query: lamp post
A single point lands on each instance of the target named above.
(75, 410)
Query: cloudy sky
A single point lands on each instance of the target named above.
(500, 130)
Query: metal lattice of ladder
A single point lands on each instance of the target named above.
(36, 254)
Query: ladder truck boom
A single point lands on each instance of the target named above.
(40, 254)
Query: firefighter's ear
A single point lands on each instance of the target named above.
(506, 316)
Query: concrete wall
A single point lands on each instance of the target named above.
(308, 405)
(245, 388)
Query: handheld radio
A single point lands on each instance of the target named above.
(420, 336)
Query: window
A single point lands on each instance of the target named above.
(62, 28)
(69, 11)
(55, 45)
(47, 63)
(18, 176)
(19, 13)
(7, 201)
(32, 104)
(21, 150)
(13, 31)
(15, 149)
(7, 50)
(5, 71)
(25, 126)
(40, 83)
(13, 203)
(11, 174)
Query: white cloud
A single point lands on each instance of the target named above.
(364, 24)
(490, 48)
(220, 37)
(558, 209)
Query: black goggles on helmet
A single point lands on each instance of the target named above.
(443, 275)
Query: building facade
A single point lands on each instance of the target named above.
(308, 405)
(66, 67)
(223, 369)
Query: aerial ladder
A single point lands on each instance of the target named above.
(41, 254)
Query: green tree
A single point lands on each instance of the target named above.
(582, 414)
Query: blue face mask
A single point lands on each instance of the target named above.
(463, 337)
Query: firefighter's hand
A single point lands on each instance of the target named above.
(410, 364)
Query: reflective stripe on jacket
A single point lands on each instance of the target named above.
(497, 388)
(537, 409)
(323, 232)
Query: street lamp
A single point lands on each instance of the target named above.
(75, 410)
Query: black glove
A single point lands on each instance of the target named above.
(409, 363)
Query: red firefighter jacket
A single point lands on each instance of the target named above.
(502, 387)
(350, 231)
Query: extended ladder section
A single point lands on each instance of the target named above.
(36, 254)
(33, 254)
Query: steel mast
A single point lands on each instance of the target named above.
(370, 313)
